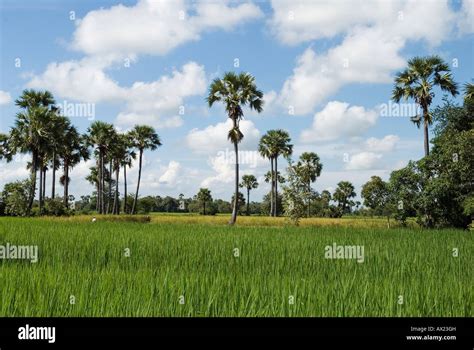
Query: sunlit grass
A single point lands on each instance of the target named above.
(195, 257)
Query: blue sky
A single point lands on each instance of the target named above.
(330, 62)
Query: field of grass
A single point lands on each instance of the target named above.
(189, 266)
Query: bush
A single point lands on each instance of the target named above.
(15, 198)
(55, 207)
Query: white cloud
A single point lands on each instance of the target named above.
(213, 138)
(338, 119)
(171, 174)
(224, 172)
(466, 17)
(385, 144)
(156, 103)
(374, 34)
(363, 161)
(295, 22)
(83, 80)
(155, 27)
(5, 97)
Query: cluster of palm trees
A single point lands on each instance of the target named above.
(54, 143)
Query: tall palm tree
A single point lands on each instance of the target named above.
(309, 169)
(30, 132)
(468, 91)
(273, 144)
(144, 137)
(235, 91)
(127, 160)
(265, 150)
(121, 155)
(417, 82)
(59, 138)
(73, 149)
(204, 196)
(98, 136)
(249, 182)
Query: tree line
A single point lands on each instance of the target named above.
(436, 189)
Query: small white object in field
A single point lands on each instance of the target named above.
(94, 219)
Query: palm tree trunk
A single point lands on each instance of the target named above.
(204, 208)
(427, 144)
(102, 192)
(66, 185)
(116, 204)
(272, 186)
(125, 189)
(309, 199)
(53, 178)
(109, 200)
(233, 219)
(31, 198)
(41, 187)
(275, 207)
(44, 183)
(138, 183)
(248, 202)
(99, 184)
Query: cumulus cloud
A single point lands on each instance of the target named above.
(171, 174)
(363, 161)
(156, 103)
(374, 34)
(213, 138)
(5, 97)
(337, 120)
(386, 144)
(155, 27)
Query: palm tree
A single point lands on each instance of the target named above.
(204, 196)
(249, 182)
(309, 169)
(5, 152)
(73, 149)
(130, 155)
(468, 91)
(417, 82)
(343, 194)
(98, 136)
(273, 144)
(30, 132)
(144, 137)
(264, 148)
(235, 91)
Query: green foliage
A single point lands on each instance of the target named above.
(15, 197)
(55, 207)
(343, 196)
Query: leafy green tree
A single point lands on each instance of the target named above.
(309, 169)
(293, 194)
(240, 202)
(343, 194)
(417, 82)
(236, 91)
(204, 196)
(15, 198)
(249, 182)
(377, 197)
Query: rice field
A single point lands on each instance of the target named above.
(198, 266)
